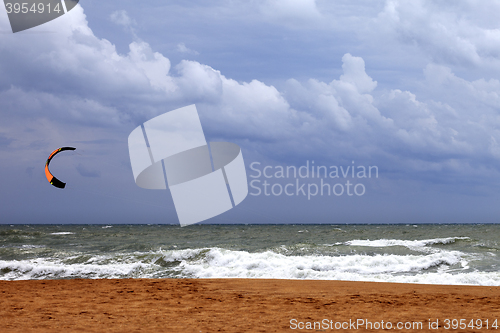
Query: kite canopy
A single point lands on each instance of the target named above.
(53, 180)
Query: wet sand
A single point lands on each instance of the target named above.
(241, 305)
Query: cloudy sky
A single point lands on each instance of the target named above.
(411, 87)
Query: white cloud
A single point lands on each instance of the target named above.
(354, 73)
(65, 108)
(182, 48)
(152, 64)
(121, 17)
(464, 33)
(75, 79)
(294, 10)
(407, 95)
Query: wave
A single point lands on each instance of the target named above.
(446, 267)
(411, 244)
(218, 263)
(50, 269)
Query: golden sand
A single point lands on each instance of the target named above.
(240, 305)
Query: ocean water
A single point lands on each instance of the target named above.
(431, 254)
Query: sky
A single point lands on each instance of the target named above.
(409, 87)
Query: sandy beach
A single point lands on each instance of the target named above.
(241, 305)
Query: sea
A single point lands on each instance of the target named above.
(454, 254)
